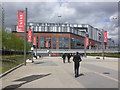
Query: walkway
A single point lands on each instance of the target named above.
(50, 72)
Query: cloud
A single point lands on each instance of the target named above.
(98, 14)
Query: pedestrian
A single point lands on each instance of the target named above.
(77, 59)
(68, 56)
(64, 56)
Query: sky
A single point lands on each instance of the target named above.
(101, 15)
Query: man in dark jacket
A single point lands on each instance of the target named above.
(77, 59)
(64, 56)
(68, 56)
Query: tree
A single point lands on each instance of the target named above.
(12, 42)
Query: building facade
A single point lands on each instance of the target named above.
(63, 36)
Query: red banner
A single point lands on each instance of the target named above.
(29, 35)
(106, 47)
(86, 41)
(21, 21)
(105, 36)
(34, 40)
(47, 44)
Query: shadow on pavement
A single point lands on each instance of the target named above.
(39, 62)
(26, 79)
(80, 75)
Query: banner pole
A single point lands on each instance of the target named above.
(25, 36)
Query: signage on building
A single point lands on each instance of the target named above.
(86, 41)
(105, 36)
(106, 47)
(34, 40)
(21, 21)
(47, 44)
(29, 35)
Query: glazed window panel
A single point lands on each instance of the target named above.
(73, 43)
(47, 42)
(42, 42)
(54, 42)
(63, 42)
(42, 28)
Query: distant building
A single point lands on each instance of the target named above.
(1, 17)
(63, 36)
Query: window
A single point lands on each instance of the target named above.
(42, 28)
(77, 43)
(63, 43)
(47, 42)
(37, 42)
(42, 42)
(39, 28)
(54, 42)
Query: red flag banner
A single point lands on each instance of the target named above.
(106, 47)
(29, 35)
(47, 43)
(86, 41)
(34, 40)
(105, 36)
(21, 21)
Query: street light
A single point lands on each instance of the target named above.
(102, 44)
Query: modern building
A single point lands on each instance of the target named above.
(63, 35)
(1, 17)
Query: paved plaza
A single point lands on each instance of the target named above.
(51, 72)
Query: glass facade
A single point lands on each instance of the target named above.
(42, 42)
(54, 42)
(51, 42)
(63, 43)
(45, 42)
(78, 29)
(77, 43)
(48, 42)
(37, 41)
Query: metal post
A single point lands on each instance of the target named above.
(36, 46)
(85, 50)
(32, 42)
(25, 36)
(103, 45)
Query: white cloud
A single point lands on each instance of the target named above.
(99, 15)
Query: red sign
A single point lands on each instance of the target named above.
(86, 41)
(34, 40)
(20, 21)
(29, 35)
(106, 47)
(105, 36)
(47, 43)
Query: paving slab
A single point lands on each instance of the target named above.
(51, 72)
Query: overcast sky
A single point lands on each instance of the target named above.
(98, 14)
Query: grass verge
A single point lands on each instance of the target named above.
(115, 55)
(12, 61)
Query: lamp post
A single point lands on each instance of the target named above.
(103, 44)
(32, 42)
(25, 36)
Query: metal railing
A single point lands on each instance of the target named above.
(76, 50)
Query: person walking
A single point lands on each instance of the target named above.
(64, 56)
(77, 59)
(68, 56)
